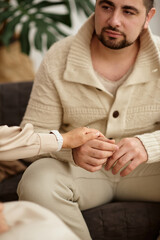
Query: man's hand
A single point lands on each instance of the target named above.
(132, 152)
(3, 225)
(93, 154)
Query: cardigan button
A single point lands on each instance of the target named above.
(115, 114)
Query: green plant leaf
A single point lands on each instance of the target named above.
(62, 18)
(86, 6)
(41, 24)
(45, 22)
(22, 1)
(58, 30)
(50, 39)
(90, 5)
(10, 29)
(44, 4)
(67, 4)
(6, 14)
(38, 40)
(4, 4)
(24, 38)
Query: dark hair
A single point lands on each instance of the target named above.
(148, 4)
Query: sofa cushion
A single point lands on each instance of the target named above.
(8, 188)
(13, 101)
(124, 221)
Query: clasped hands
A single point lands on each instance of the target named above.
(124, 156)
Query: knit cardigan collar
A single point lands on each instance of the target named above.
(79, 68)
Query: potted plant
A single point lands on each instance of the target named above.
(18, 18)
(33, 14)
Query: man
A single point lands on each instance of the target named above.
(25, 220)
(107, 76)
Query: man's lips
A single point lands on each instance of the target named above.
(113, 34)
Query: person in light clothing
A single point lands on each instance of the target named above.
(16, 143)
(106, 77)
(25, 220)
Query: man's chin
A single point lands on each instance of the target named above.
(114, 45)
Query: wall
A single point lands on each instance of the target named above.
(155, 22)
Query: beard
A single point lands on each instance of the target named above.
(111, 42)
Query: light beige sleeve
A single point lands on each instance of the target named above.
(16, 143)
(151, 142)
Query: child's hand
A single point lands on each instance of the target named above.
(3, 225)
(79, 136)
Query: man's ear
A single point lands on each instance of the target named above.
(149, 16)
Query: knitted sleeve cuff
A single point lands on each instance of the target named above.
(151, 142)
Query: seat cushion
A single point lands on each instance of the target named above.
(124, 221)
(8, 188)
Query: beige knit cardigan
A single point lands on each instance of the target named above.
(68, 94)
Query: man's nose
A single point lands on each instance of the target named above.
(115, 19)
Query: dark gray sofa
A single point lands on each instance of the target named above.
(112, 221)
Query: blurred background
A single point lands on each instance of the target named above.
(29, 28)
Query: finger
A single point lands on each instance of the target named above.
(116, 155)
(103, 145)
(95, 162)
(90, 136)
(121, 162)
(134, 163)
(100, 154)
(92, 130)
(104, 139)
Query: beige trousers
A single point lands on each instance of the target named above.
(28, 221)
(66, 189)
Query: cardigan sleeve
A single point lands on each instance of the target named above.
(16, 143)
(151, 142)
(45, 110)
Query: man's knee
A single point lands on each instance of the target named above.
(43, 178)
